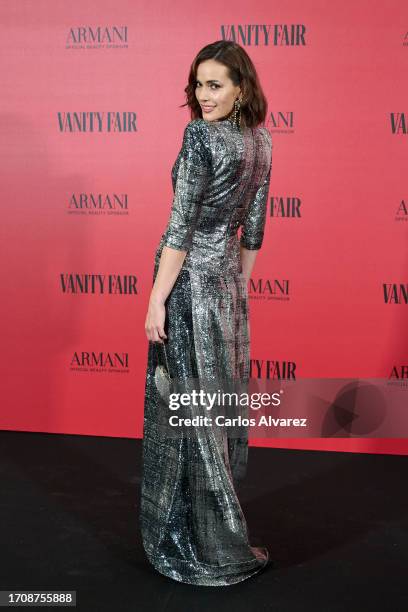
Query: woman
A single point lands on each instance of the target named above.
(193, 528)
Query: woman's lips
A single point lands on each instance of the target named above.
(207, 109)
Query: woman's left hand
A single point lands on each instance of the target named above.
(155, 319)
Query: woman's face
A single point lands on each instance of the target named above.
(215, 91)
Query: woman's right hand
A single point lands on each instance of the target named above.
(155, 319)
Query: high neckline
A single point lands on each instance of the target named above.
(226, 120)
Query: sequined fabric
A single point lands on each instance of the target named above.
(192, 525)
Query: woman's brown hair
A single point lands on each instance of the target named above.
(241, 71)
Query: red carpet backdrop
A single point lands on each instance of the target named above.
(91, 124)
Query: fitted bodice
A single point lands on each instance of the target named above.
(220, 172)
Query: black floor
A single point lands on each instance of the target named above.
(335, 524)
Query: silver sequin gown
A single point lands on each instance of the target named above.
(192, 525)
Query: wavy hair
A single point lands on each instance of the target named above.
(241, 71)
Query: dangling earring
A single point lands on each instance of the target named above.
(235, 116)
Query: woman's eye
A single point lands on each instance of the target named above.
(214, 85)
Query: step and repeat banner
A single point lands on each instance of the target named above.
(91, 123)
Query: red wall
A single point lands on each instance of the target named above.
(338, 114)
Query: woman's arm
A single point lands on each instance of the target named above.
(193, 175)
(247, 261)
(171, 261)
(253, 228)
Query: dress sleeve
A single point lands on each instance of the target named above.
(253, 227)
(194, 172)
